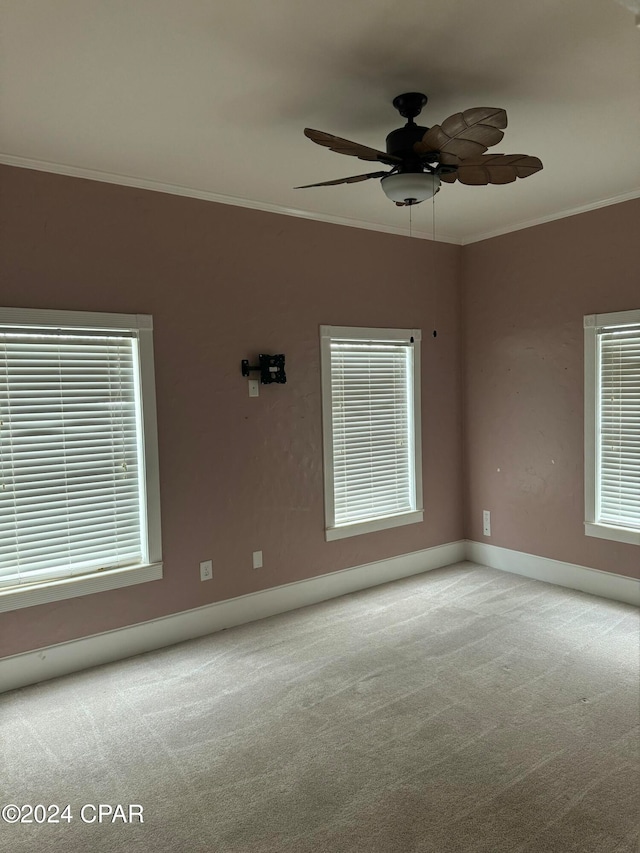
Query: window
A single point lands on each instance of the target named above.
(79, 493)
(371, 421)
(612, 426)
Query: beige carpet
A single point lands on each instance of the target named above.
(462, 710)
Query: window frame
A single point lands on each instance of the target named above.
(141, 325)
(592, 323)
(327, 334)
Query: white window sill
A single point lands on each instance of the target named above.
(608, 531)
(41, 593)
(347, 530)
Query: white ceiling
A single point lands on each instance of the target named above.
(211, 98)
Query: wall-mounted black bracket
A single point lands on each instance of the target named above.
(271, 368)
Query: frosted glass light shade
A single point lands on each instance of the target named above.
(410, 187)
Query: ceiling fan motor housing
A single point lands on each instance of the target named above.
(400, 142)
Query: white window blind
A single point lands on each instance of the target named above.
(370, 383)
(618, 427)
(71, 470)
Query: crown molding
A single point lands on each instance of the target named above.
(552, 217)
(218, 198)
(205, 195)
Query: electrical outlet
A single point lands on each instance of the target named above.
(254, 388)
(206, 570)
(486, 522)
(257, 559)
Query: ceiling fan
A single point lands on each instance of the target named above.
(422, 157)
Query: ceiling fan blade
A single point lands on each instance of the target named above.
(449, 177)
(466, 134)
(447, 159)
(344, 146)
(496, 169)
(352, 179)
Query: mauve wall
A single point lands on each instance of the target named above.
(224, 283)
(524, 297)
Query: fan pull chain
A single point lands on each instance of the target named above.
(410, 220)
(433, 264)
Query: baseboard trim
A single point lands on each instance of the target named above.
(63, 658)
(594, 581)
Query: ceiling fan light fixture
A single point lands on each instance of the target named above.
(410, 187)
